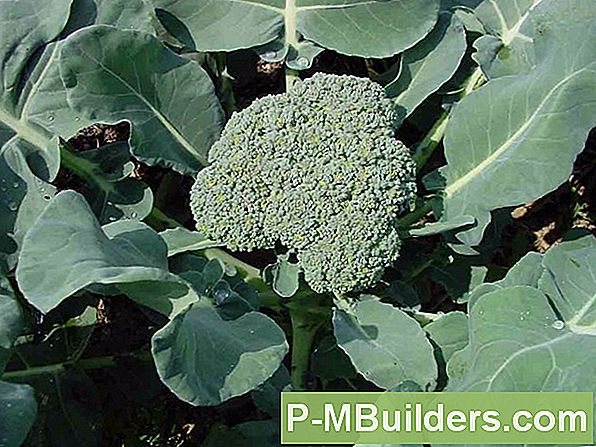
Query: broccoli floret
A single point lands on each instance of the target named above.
(317, 169)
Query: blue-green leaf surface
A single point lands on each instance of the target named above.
(206, 360)
(504, 137)
(534, 338)
(67, 250)
(367, 28)
(428, 65)
(113, 75)
(385, 345)
(11, 321)
(18, 409)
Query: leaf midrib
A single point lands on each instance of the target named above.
(24, 130)
(454, 187)
(162, 119)
(284, 10)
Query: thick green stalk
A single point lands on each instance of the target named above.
(247, 271)
(291, 35)
(429, 143)
(303, 335)
(86, 364)
(409, 219)
(82, 168)
(308, 312)
(229, 101)
(427, 146)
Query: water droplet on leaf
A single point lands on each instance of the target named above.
(12, 206)
(302, 62)
(221, 295)
(558, 325)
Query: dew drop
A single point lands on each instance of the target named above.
(51, 118)
(12, 206)
(15, 185)
(558, 325)
(46, 197)
(8, 405)
(221, 295)
(111, 218)
(302, 62)
(522, 318)
(134, 215)
(77, 119)
(252, 332)
(269, 55)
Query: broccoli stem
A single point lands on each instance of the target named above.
(291, 77)
(430, 142)
(227, 92)
(291, 35)
(308, 312)
(411, 218)
(84, 364)
(303, 334)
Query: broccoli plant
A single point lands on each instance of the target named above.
(346, 231)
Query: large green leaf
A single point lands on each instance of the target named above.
(449, 332)
(113, 75)
(27, 28)
(27, 25)
(206, 360)
(33, 107)
(540, 338)
(11, 320)
(385, 345)
(28, 156)
(23, 195)
(17, 413)
(526, 272)
(47, 105)
(428, 65)
(67, 250)
(503, 138)
(368, 28)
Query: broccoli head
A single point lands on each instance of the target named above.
(317, 169)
